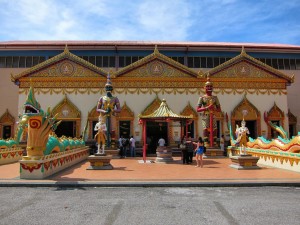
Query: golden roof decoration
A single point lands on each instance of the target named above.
(244, 56)
(156, 55)
(66, 109)
(66, 54)
(164, 112)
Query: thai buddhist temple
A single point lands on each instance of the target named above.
(250, 81)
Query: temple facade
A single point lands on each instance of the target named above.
(69, 77)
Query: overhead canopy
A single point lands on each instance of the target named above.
(164, 112)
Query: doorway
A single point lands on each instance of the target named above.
(6, 132)
(156, 130)
(66, 128)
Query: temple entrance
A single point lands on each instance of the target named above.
(251, 125)
(124, 127)
(66, 128)
(6, 132)
(156, 130)
(190, 130)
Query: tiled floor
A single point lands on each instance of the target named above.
(129, 169)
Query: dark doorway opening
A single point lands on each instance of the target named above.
(124, 126)
(66, 128)
(156, 130)
(6, 132)
(190, 130)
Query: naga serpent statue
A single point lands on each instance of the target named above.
(40, 127)
(281, 143)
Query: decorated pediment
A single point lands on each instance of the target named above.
(156, 65)
(248, 72)
(189, 111)
(7, 118)
(62, 68)
(151, 107)
(245, 110)
(275, 113)
(66, 110)
(126, 113)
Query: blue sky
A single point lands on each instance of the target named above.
(253, 21)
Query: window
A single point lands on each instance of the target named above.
(99, 61)
(9, 61)
(203, 62)
(210, 63)
(2, 62)
(28, 61)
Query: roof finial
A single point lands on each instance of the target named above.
(156, 50)
(66, 49)
(243, 50)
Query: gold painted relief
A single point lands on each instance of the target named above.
(275, 113)
(66, 110)
(245, 69)
(154, 105)
(66, 68)
(245, 109)
(189, 110)
(126, 113)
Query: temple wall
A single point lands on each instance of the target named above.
(177, 102)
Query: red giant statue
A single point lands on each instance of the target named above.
(207, 105)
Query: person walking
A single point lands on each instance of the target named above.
(132, 146)
(199, 152)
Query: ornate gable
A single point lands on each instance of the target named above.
(246, 72)
(66, 110)
(245, 109)
(189, 110)
(151, 107)
(275, 113)
(63, 70)
(156, 65)
(7, 118)
(126, 113)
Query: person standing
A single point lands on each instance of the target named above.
(121, 147)
(190, 150)
(161, 142)
(222, 144)
(199, 152)
(132, 146)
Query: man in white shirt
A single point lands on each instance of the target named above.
(161, 142)
(132, 146)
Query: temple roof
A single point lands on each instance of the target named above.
(156, 55)
(245, 56)
(66, 54)
(164, 112)
(92, 44)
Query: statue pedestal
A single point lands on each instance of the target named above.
(100, 162)
(163, 154)
(214, 152)
(244, 162)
